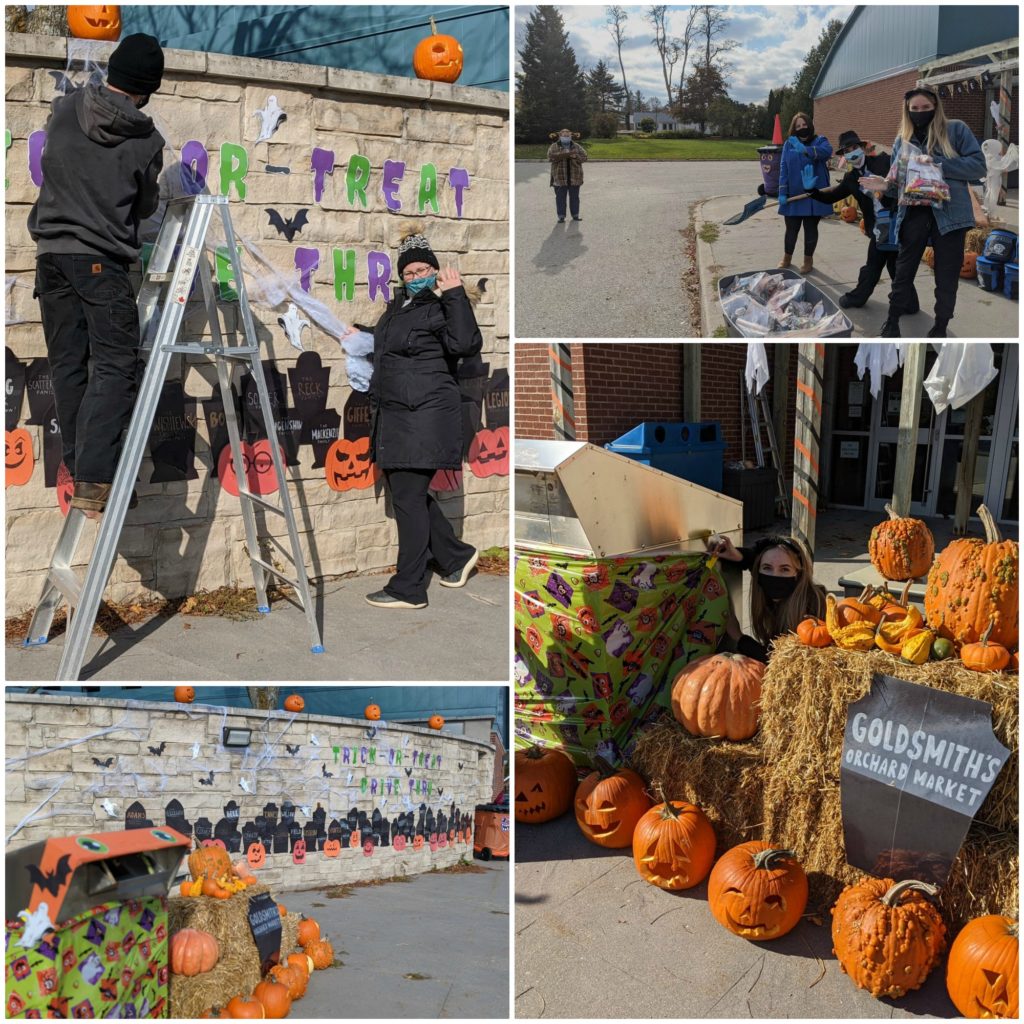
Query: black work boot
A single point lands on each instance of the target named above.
(938, 329)
(891, 328)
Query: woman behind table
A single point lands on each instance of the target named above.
(782, 590)
(803, 167)
(952, 146)
(567, 158)
(417, 417)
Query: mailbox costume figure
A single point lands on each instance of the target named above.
(416, 424)
(101, 164)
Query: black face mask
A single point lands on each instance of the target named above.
(777, 588)
(921, 118)
(804, 133)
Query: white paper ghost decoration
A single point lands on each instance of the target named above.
(110, 808)
(314, 740)
(245, 785)
(195, 750)
(37, 924)
(293, 324)
(270, 117)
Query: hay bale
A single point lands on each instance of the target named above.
(238, 969)
(723, 779)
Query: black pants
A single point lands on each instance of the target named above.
(573, 192)
(871, 274)
(810, 226)
(423, 532)
(917, 226)
(91, 325)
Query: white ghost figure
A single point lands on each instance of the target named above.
(195, 750)
(293, 324)
(110, 808)
(313, 739)
(997, 163)
(37, 924)
(350, 777)
(305, 809)
(270, 117)
(245, 785)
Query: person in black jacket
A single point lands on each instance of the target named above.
(100, 165)
(782, 590)
(417, 417)
(865, 159)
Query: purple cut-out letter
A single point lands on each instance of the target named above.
(306, 261)
(195, 162)
(322, 163)
(36, 141)
(393, 171)
(458, 179)
(378, 273)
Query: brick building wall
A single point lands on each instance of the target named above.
(400, 769)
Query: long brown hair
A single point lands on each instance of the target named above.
(796, 117)
(770, 618)
(938, 130)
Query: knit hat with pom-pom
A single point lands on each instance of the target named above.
(414, 248)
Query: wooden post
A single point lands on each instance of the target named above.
(780, 393)
(968, 462)
(691, 382)
(563, 407)
(1003, 128)
(906, 438)
(828, 416)
(807, 440)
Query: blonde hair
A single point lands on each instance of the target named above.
(938, 130)
(770, 618)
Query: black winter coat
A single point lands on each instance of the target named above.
(849, 186)
(414, 393)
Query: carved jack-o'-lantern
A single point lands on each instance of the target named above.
(332, 848)
(545, 784)
(608, 804)
(970, 264)
(19, 460)
(438, 57)
(398, 842)
(435, 722)
(488, 453)
(96, 21)
(417, 841)
(347, 465)
(256, 855)
(673, 845)
(982, 972)
(184, 694)
(299, 851)
(372, 712)
(259, 468)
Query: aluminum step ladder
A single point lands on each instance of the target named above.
(176, 257)
(754, 402)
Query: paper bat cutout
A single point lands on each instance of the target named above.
(290, 227)
(207, 782)
(103, 764)
(291, 749)
(270, 117)
(157, 751)
(54, 881)
(461, 766)
(326, 773)
(408, 773)
(440, 790)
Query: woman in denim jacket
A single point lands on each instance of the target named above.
(952, 146)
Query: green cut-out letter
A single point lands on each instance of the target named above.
(344, 274)
(357, 179)
(234, 166)
(428, 188)
(226, 283)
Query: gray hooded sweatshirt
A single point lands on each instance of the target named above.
(101, 163)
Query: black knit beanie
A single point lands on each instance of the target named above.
(416, 249)
(137, 65)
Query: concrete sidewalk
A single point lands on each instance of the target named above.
(756, 244)
(461, 634)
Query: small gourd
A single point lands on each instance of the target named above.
(918, 648)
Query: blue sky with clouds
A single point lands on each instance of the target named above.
(773, 43)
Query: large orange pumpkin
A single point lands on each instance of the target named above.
(19, 458)
(435, 722)
(293, 702)
(982, 972)
(242, 1008)
(273, 997)
(438, 57)
(972, 583)
(309, 931)
(545, 782)
(294, 977)
(193, 952)
(887, 936)
(719, 695)
(321, 952)
(608, 805)
(98, 21)
(673, 845)
(901, 548)
(372, 712)
(757, 891)
(184, 694)
(209, 862)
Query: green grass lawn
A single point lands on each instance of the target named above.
(657, 149)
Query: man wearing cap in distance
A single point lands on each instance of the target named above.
(865, 158)
(567, 158)
(100, 168)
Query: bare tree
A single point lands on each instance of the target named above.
(686, 42)
(616, 26)
(264, 698)
(712, 21)
(668, 49)
(41, 20)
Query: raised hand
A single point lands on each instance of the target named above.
(448, 278)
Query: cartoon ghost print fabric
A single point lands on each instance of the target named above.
(598, 639)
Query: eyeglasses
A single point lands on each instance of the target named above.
(412, 275)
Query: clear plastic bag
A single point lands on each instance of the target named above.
(919, 180)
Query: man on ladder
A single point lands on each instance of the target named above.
(100, 168)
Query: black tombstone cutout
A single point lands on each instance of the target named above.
(496, 400)
(344, 833)
(231, 810)
(203, 829)
(135, 817)
(252, 414)
(270, 813)
(364, 822)
(309, 382)
(334, 829)
(172, 438)
(396, 828)
(353, 819)
(39, 386)
(282, 839)
(431, 824)
(376, 819)
(216, 427)
(53, 448)
(287, 811)
(917, 764)
(288, 427)
(442, 822)
(226, 830)
(174, 815)
(472, 386)
(357, 416)
(294, 832)
(250, 835)
(15, 393)
(310, 834)
(323, 432)
(265, 923)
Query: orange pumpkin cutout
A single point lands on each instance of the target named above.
(259, 468)
(438, 57)
(347, 466)
(99, 21)
(488, 453)
(256, 855)
(332, 848)
(417, 842)
(19, 459)
(355, 840)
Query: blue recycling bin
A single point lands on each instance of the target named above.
(692, 451)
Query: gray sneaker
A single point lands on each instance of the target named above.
(382, 599)
(460, 578)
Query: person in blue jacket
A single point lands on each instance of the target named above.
(803, 167)
(951, 145)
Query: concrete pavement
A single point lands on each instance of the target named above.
(618, 272)
(461, 634)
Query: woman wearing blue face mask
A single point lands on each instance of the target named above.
(417, 416)
(782, 590)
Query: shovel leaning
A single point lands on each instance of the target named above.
(757, 205)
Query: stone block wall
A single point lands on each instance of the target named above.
(420, 781)
(356, 128)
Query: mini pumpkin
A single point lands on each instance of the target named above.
(94, 21)
(322, 953)
(545, 782)
(302, 960)
(757, 891)
(184, 694)
(19, 458)
(887, 935)
(372, 712)
(193, 952)
(438, 57)
(719, 695)
(608, 805)
(985, 656)
(813, 632)
(435, 722)
(273, 996)
(673, 845)
(942, 649)
(293, 702)
(982, 972)
(242, 1008)
(849, 214)
(901, 548)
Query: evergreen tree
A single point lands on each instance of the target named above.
(703, 88)
(603, 91)
(552, 89)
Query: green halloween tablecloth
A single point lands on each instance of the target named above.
(598, 640)
(110, 961)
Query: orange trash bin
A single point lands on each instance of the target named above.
(491, 832)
